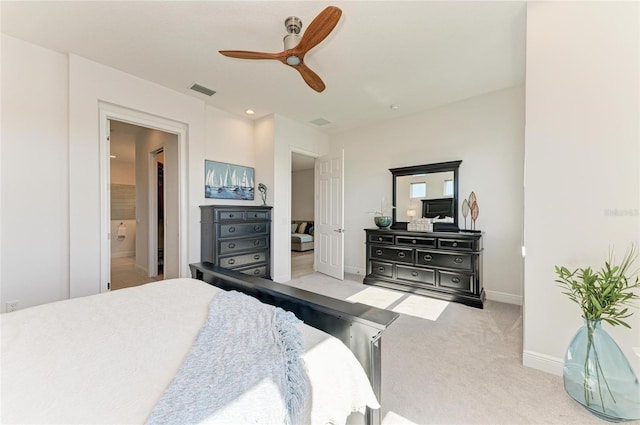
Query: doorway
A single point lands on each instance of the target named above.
(139, 201)
(302, 214)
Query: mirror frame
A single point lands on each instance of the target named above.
(424, 169)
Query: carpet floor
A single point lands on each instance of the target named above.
(446, 363)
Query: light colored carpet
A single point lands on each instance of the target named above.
(464, 367)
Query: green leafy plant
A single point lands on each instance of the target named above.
(605, 294)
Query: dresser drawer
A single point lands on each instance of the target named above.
(260, 271)
(401, 255)
(413, 274)
(444, 243)
(231, 215)
(451, 261)
(241, 260)
(457, 281)
(381, 238)
(382, 269)
(227, 247)
(415, 241)
(241, 229)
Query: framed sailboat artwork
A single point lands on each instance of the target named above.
(228, 181)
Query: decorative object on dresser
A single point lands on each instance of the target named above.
(380, 218)
(436, 264)
(263, 193)
(237, 238)
(228, 181)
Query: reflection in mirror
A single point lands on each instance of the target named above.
(429, 190)
(412, 192)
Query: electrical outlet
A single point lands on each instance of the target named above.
(12, 306)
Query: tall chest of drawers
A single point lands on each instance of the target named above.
(237, 237)
(440, 265)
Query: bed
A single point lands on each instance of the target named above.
(112, 358)
(302, 235)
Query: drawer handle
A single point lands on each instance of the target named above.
(256, 257)
(232, 229)
(428, 257)
(230, 215)
(256, 242)
(414, 274)
(401, 254)
(380, 238)
(256, 272)
(378, 252)
(455, 244)
(381, 269)
(257, 228)
(255, 215)
(458, 260)
(414, 241)
(455, 279)
(232, 245)
(231, 261)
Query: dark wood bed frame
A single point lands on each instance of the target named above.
(358, 326)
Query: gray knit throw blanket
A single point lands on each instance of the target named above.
(242, 343)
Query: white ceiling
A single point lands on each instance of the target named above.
(414, 54)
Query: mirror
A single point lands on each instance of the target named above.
(429, 190)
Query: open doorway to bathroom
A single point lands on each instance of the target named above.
(139, 203)
(302, 214)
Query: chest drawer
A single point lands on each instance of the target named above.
(242, 229)
(260, 271)
(457, 281)
(227, 247)
(381, 238)
(419, 276)
(231, 215)
(416, 241)
(439, 259)
(241, 260)
(402, 255)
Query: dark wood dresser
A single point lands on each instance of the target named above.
(237, 238)
(441, 265)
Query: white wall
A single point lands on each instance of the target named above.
(34, 179)
(302, 194)
(276, 137)
(486, 133)
(582, 161)
(91, 83)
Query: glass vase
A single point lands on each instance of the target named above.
(599, 377)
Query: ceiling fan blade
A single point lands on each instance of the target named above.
(243, 54)
(319, 28)
(310, 77)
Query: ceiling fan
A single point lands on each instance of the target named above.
(297, 46)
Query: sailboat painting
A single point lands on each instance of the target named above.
(228, 181)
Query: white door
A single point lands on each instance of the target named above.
(329, 227)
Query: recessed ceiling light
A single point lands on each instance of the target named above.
(394, 107)
(249, 112)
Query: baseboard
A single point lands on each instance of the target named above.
(503, 297)
(354, 270)
(543, 362)
(123, 254)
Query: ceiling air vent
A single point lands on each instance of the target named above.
(320, 121)
(202, 89)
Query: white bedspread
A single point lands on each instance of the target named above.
(108, 358)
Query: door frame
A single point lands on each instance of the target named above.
(107, 112)
(153, 212)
